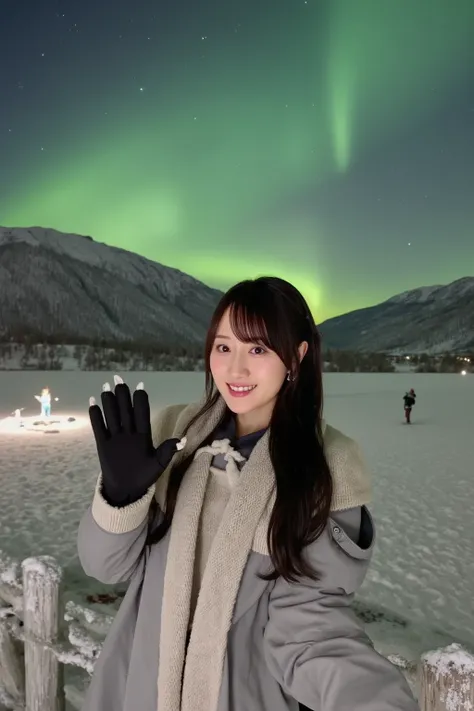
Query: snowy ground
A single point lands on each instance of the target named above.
(423, 483)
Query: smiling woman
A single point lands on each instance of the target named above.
(243, 550)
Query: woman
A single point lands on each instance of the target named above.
(244, 552)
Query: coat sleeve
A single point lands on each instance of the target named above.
(111, 540)
(314, 645)
(108, 556)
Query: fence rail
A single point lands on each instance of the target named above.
(39, 636)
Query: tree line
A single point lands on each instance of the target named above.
(94, 358)
(96, 355)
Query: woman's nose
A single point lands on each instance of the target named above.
(239, 366)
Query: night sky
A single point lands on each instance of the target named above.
(330, 142)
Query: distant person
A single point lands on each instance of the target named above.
(45, 400)
(409, 400)
(218, 617)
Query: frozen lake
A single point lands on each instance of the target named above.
(423, 479)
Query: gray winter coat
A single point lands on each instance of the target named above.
(254, 645)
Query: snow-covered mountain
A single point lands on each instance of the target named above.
(433, 320)
(72, 287)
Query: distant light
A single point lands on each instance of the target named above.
(463, 372)
(407, 357)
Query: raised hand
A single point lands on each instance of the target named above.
(129, 462)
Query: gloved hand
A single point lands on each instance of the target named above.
(129, 462)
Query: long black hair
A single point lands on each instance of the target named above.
(271, 312)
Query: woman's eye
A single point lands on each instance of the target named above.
(258, 350)
(222, 348)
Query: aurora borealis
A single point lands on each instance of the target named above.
(330, 142)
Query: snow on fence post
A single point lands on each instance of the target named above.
(447, 680)
(41, 604)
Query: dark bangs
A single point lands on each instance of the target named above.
(249, 326)
(256, 316)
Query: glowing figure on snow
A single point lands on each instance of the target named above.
(45, 400)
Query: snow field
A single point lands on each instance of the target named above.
(423, 568)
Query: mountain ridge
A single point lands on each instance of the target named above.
(71, 286)
(429, 319)
(67, 283)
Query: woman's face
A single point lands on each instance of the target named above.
(248, 376)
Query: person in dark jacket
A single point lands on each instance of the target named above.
(409, 400)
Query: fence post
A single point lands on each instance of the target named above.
(447, 680)
(44, 689)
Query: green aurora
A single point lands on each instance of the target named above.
(200, 162)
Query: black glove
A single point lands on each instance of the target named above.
(130, 463)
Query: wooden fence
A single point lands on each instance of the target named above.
(40, 636)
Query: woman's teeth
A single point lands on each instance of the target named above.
(242, 388)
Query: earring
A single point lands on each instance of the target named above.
(291, 378)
